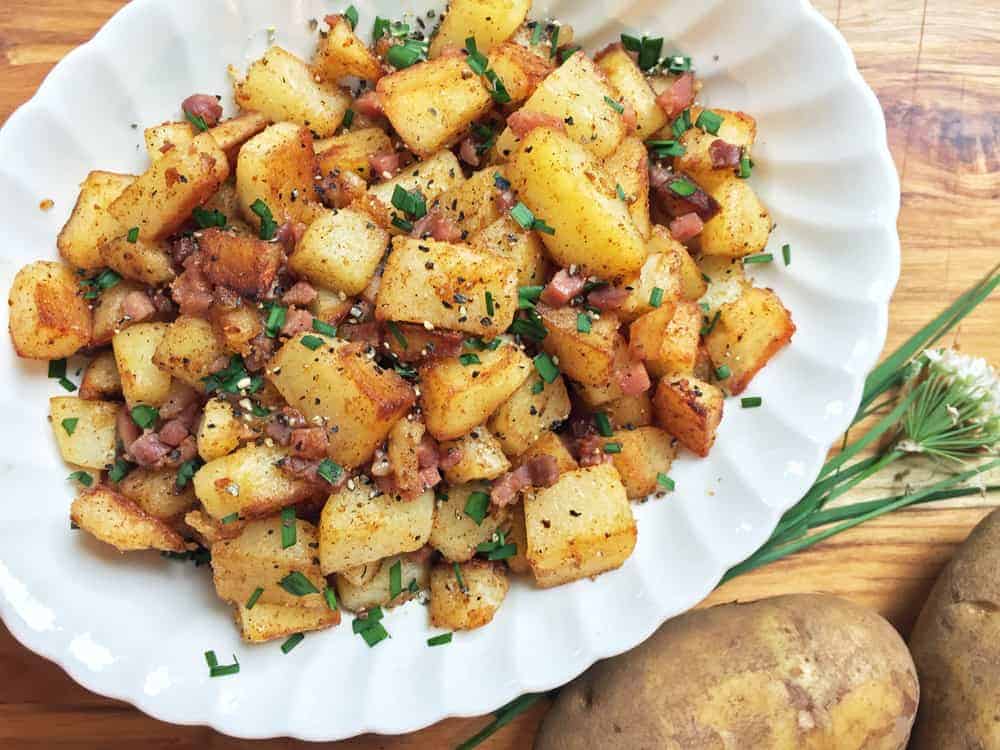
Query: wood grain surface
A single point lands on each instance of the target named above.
(933, 65)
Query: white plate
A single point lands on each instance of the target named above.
(135, 627)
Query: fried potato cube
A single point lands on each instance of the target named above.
(249, 482)
(550, 444)
(351, 152)
(737, 129)
(430, 177)
(258, 558)
(448, 286)
(340, 54)
(530, 412)
(460, 98)
(269, 622)
(690, 410)
(562, 185)
(456, 398)
(219, 432)
(91, 225)
(188, 349)
(356, 528)
(481, 457)
(628, 168)
(376, 590)
(630, 411)
(231, 134)
(580, 526)
(340, 251)
(100, 379)
(160, 200)
(135, 347)
(667, 339)
(692, 283)
(247, 265)
(455, 533)
(142, 260)
(631, 89)
(517, 535)
(116, 520)
(471, 602)
(661, 271)
(472, 205)
(520, 69)
(610, 390)
(340, 383)
(585, 356)
(490, 22)
(162, 139)
(156, 492)
(506, 238)
(49, 319)
(749, 332)
(646, 453)
(742, 227)
(284, 88)
(84, 430)
(238, 327)
(109, 311)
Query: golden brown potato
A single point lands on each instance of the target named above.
(550, 444)
(448, 286)
(142, 381)
(156, 492)
(284, 88)
(466, 596)
(562, 185)
(247, 265)
(667, 338)
(646, 454)
(455, 533)
(231, 134)
(481, 457)
(630, 411)
(587, 357)
(340, 383)
(144, 261)
(238, 327)
(506, 238)
(49, 319)
(402, 453)
(91, 225)
(520, 69)
(340, 251)
(690, 410)
(330, 307)
(517, 536)
(100, 379)
(269, 622)
(580, 526)
(743, 225)
(661, 271)
(258, 558)
(490, 22)
(628, 169)
(376, 590)
(692, 283)
(207, 530)
(429, 177)
(340, 54)
(356, 528)
(84, 430)
(116, 520)
(351, 152)
(163, 197)
(471, 205)
(188, 349)
(456, 398)
(631, 89)
(460, 98)
(611, 390)
(737, 129)
(530, 412)
(749, 332)
(220, 431)
(163, 138)
(109, 311)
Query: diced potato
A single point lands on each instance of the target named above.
(207, 530)
(269, 622)
(691, 283)
(249, 482)
(340, 251)
(529, 413)
(660, 271)
(156, 492)
(470, 603)
(91, 225)
(506, 238)
(284, 88)
(482, 457)
(351, 152)
(142, 260)
(550, 444)
(561, 184)
(727, 281)
(587, 357)
(160, 200)
(455, 534)
(610, 390)
(359, 575)
(517, 536)
(109, 311)
(142, 381)
(749, 332)
(690, 410)
(49, 319)
(743, 225)
(341, 54)
(579, 527)
(340, 383)
(449, 286)
(667, 338)
(628, 168)
(100, 379)
(402, 453)
(84, 430)
(238, 327)
(278, 167)
(330, 307)
(376, 592)
(356, 528)
(632, 88)
(490, 22)
(220, 430)
(116, 520)
(630, 411)
(472, 205)
(231, 134)
(162, 139)
(460, 98)
(258, 558)
(520, 69)
(188, 349)
(456, 398)
(646, 453)
(430, 177)
(247, 265)
(737, 129)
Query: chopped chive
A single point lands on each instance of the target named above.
(682, 124)
(402, 224)
(330, 471)
(522, 215)
(677, 64)
(186, 471)
(745, 168)
(470, 359)
(397, 333)
(475, 59)
(758, 258)
(311, 342)
(662, 148)
(211, 659)
(374, 634)
(413, 587)
(458, 577)
(231, 518)
(351, 14)
(567, 53)
(554, 42)
(537, 387)
(133, 235)
(293, 641)
(145, 416)
(709, 121)
(530, 327)
(583, 322)
(631, 43)
(380, 28)
(57, 368)
(616, 106)
(546, 367)
(666, 482)
(406, 54)
(268, 226)
(396, 579)
(220, 670)
(439, 640)
(786, 254)
(289, 527)
(70, 425)
(259, 411)
(497, 90)
(205, 218)
(527, 296)
(410, 203)
(536, 34)
(254, 597)
(476, 506)
(710, 326)
(348, 119)
(325, 328)
(603, 424)
(620, 192)
(540, 226)
(683, 187)
(612, 447)
(751, 402)
(67, 384)
(119, 471)
(722, 372)
(501, 183)
(656, 297)
(331, 598)
(649, 54)
(490, 306)
(82, 477)
(196, 120)
(297, 584)
(502, 553)
(275, 321)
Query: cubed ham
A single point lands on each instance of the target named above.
(302, 293)
(205, 106)
(724, 154)
(562, 288)
(679, 96)
(607, 298)
(633, 379)
(524, 121)
(686, 227)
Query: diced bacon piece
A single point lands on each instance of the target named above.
(310, 442)
(296, 321)
(607, 298)
(724, 154)
(562, 288)
(173, 432)
(686, 227)
(524, 121)
(302, 293)
(138, 306)
(633, 379)
(679, 96)
(438, 227)
(205, 106)
(369, 105)
(149, 450)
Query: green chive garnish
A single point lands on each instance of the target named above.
(186, 471)
(745, 168)
(297, 584)
(145, 416)
(469, 359)
(231, 518)
(722, 372)
(620, 192)
(758, 258)
(751, 402)
(709, 121)
(275, 321)
(649, 53)
(325, 328)
(490, 307)
(57, 368)
(537, 387)
(119, 471)
(503, 552)
(293, 641)
(395, 579)
(656, 297)
(67, 384)
(348, 119)
(631, 43)
(331, 598)
(311, 342)
(397, 334)
(254, 597)
(603, 424)
(664, 148)
(710, 326)
(458, 577)
(683, 187)
(546, 367)
(406, 54)
(220, 670)
(289, 527)
(786, 253)
(475, 59)
(664, 481)
(412, 204)
(682, 124)
(70, 425)
(616, 106)
(583, 322)
(522, 215)
(351, 14)
(205, 218)
(196, 120)
(133, 235)
(476, 506)
(612, 447)
(82, 477)
(268, 226)
(439, 640)
(329, 470)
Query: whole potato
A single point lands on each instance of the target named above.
(956, 646)
(800, 671)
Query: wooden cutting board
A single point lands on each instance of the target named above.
(933, 65)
